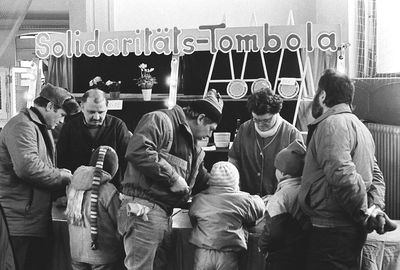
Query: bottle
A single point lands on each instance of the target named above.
(238, 123)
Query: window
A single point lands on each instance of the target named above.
(387, 37)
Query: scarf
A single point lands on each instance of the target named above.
(81, 182)
(272, 131)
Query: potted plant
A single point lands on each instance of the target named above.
(146, 81)
(97, 82)
(113, 88)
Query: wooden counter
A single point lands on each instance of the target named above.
(183, 252)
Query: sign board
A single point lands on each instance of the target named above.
(114, 104)
(213, 38)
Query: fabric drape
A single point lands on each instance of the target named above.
(366, 38)
(60, 72)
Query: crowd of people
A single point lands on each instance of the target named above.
(318, 199)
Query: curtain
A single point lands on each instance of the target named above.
(60, 72)
(366, 38)
(12, 14)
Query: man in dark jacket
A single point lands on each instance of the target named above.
(165, 166)
(341, 179)
(80, 136)
(28, 175)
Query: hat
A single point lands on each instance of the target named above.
(58, 96)
(110, 162)
(224, 174)
(211, 105)
(290, 160)
(104, 158)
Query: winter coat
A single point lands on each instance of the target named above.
(27, 174)
(219, 217)
(161, 149)
(109, 241)
(283, 239)
(340, 177)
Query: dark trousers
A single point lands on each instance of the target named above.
(32, 253)
(335, 248)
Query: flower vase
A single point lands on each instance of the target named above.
(146, 94)
(114, 95)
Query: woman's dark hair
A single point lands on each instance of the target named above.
(264, 101)
(337, 86)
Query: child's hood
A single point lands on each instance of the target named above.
(83, 177)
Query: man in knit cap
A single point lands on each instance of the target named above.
(283, 238)
(165, 166)
(216, 209)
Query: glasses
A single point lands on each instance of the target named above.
(263, 121)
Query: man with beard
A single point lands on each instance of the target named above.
(259, 140)
(341, 179)
(80, 136)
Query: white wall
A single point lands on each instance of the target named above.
(130, 15)
(338, 12)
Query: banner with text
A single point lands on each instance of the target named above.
(213, 38)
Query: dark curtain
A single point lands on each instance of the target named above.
(60, 72)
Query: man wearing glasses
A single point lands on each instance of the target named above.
(259, 140)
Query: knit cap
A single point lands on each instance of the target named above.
(211, 105)
(110, 163)
(224, 174)
(103, 158)
(290, 160)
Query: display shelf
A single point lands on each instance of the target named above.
(163, 97)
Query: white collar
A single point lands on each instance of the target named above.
(272, 131)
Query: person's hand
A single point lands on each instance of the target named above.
(266, 198)
(180, 185)
(66, 176)
(379, 221)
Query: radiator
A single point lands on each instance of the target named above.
(387, 148)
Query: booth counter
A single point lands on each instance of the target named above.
(380, 252)
(183, 251)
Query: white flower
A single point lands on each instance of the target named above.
(95, 80)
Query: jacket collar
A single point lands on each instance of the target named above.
(337, 109)
(294, 181)
(33, 116)
(179, 115)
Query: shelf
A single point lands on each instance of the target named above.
(164, 97)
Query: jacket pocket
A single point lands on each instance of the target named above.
(309, 195)
(28, 205)
(177, 163)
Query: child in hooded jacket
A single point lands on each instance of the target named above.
(91, 212)
(218, 215)
(283, 240)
